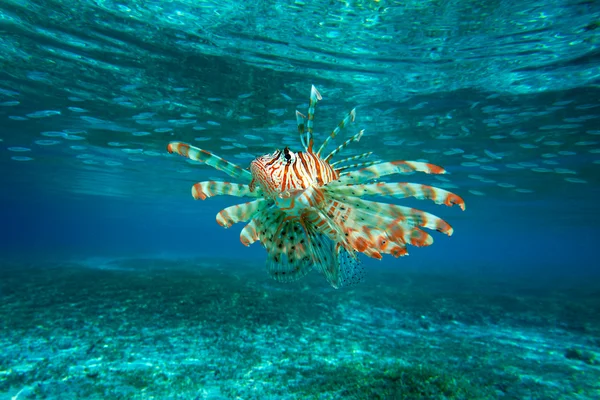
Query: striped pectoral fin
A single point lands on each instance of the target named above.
(240, 212)
(387, 168)
(322, 224)
(249, 234)
(418, 218)
(198, 154)
(403, 234)
(374, 228)
(288, 257)
(206, 189)
(375, 240)
(342, 224)
(295, 246)
(288, 254)
(388, 237)
(400, 190)
(362, 242)
(378, 213)
(422, 192)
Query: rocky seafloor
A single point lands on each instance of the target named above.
(217, 329)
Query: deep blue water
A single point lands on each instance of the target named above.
(503, 94)
(502, 239)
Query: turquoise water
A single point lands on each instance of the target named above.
(98, 223)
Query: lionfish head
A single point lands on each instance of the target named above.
(268, 171)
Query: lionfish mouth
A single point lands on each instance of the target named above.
(310, 212)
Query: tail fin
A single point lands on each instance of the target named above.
(339, 266)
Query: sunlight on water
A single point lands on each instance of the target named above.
(503, 97)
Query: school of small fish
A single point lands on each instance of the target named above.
(557, 150)
(506, 119)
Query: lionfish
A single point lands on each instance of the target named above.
(309, 212)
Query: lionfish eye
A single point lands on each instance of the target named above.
(287, 154)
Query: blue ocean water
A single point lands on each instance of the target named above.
(503, 94)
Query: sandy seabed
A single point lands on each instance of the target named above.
(217, 329)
